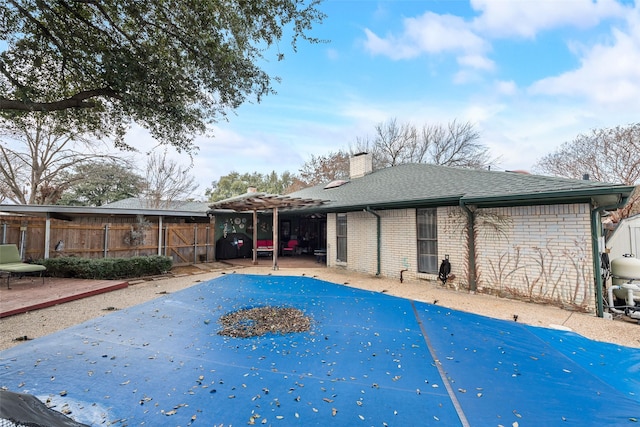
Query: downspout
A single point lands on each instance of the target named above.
(159, 235)
(378, 238)
(47, 235)
(471, 239)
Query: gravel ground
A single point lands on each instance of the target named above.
(38, 323)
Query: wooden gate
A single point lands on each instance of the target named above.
(189, 243)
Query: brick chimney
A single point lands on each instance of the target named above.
(360, 165)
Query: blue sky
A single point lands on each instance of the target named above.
(529, 75)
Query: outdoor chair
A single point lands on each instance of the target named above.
(290, 248)
(11, 263)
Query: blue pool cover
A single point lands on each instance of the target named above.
(369, 359)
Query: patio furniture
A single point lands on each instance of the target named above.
(264, 247)
(234, 245)
(321, 255)
(290, 247)
(11, 263)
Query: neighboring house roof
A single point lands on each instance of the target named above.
(175, 205)
(126, 207)
(411, 185)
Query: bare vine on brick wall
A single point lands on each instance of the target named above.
(492, 224)
(489, 224)
(503, 268)
(550, 274)
(544, 275)
(580, 263)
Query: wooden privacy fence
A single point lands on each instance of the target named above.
(185, 243)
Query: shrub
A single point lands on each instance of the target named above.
(107, 268)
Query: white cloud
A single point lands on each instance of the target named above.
(477, 62)
(466, 76)
(506, 87)
(221, 152)
(520, 134)
(332, 54)
(478, 113)
(432, 34)
(442, 33)
(608, 74)
(391, 47)
(523, 129)
(526, 18)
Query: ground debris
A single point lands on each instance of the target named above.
(259, 321)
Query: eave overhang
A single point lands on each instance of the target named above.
(597, 196)
(600, 196)
(68, 212)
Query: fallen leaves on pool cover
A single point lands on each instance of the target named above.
(259, 321)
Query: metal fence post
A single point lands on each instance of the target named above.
(106, 241)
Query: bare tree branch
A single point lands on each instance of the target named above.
(606, 155)
(454, 145)
(166, 181)
(34, 153)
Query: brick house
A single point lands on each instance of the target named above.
(516, 235)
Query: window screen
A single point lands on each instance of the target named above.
(427, 240)
(341, 234)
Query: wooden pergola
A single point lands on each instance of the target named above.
(262, 202)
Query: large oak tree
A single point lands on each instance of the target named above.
(235, 184)
(97, 183)
(169, 65)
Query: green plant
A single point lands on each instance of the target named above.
(107, 268)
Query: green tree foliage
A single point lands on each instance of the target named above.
(235, 184)
(278, 184)
(171, 66)
(99, 183)
(606, 155)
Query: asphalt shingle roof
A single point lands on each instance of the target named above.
(138, 203)
(412, 184)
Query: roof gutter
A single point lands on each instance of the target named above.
(471, 244)
(378, 238)
(550, 197)
(420, 203)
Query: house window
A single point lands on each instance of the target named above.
(427, 241)
(341, 234)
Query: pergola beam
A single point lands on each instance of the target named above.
(254, 201)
